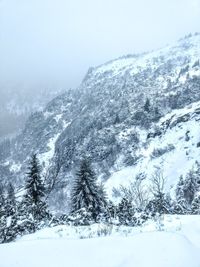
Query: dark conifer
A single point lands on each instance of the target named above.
(180, 206)
(195, 208)
(33, 208)
(10, 201)
(147, 105)
(11, 230)
(190, 187)
(2, 215)
(125, 212)
(86, 192)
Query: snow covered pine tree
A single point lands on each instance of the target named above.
(11, 215)
(86, 196)
(33, 208)
(2, 215)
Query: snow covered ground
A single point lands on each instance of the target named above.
(177, 246)
(179, 140)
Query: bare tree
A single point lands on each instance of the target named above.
(160, 203)
(136, 192)
(157, 183)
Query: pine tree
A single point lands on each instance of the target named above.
(158, 205)
(195, 207)
(180, 188)
(180, 206)
(2, 215)
(111, 212)
(10, 201)
(156, 114)
(190, 187)
(86, 192)
(117, 119)
(147, 105)
(2, 199)
(104, 215)
(33, 207)
(102, 194)
(11, 231)
(125, 212)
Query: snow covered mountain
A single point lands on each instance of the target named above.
(130, 116)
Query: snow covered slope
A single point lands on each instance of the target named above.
(173, 144)
(172, 247)
(130, 115)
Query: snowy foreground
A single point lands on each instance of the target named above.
(177, 245)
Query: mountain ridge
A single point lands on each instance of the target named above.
(111, 116)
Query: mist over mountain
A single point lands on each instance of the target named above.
(129, 116)
(100, 133)
(18, 103)
(47, 46)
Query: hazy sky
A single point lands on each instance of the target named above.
(52, 43)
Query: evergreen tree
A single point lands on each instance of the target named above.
(2, 199)
(83, 216)
(10, 201)
(197, 175)
(33, 208)
(180, 206)
(2, 215)
(11, 231)
(190, 187)
(156, 114)
(102, 194)
(86, 193)
(180, 188)
(125, 212)
(147, 105)
(159, 204)
(8, 218)
(111, 211)
(103, 215)
(195, 208)
(117, 119)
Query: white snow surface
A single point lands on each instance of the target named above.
(134, 64)
(178, 245)
(46, 157)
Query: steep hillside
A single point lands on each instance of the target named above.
(129, 116)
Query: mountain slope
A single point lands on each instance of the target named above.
(129, 116)
(16, 105)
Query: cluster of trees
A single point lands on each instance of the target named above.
(138, 203)
(18, 217)
(28, 212)
(90, 203)
(188, 193)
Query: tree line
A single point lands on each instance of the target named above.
(29, 212)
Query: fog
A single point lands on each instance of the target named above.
(52, 43)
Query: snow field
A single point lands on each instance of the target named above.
(177, 246)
